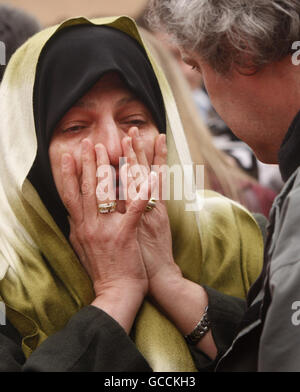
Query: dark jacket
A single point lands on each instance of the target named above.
(268, 333)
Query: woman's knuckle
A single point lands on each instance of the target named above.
(135, 209)
(106, 238)
(68, 199)
(122, 240)
(72, 238)
(86, 189)
(90, 235)
(78, 235)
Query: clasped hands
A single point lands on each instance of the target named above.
(127, 254)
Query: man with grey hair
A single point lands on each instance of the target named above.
(16, 27)
(246, 52)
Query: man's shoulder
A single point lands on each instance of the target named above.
(285, 244)
(291, 192)
(297, 178)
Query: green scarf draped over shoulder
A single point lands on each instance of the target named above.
(42, 281)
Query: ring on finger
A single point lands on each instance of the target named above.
(151, 204)
(106, 208)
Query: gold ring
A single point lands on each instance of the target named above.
(151, 204)
(106, 208)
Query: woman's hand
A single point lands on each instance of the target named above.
(154, 234)
(107, 244)
(183, 301)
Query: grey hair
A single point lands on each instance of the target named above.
(227, 33)
(16, 26)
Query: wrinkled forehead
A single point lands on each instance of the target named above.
(109, 88)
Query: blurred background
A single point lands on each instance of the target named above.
(54, 11)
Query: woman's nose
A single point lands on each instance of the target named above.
(110, 136)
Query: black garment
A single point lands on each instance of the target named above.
(71, 62)
(91, 342)
(242, 351)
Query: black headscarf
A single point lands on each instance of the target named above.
(70, 64)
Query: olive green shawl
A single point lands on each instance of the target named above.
(41, 280)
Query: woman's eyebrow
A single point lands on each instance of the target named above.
(127, 99)
(86, 104)
(90, 104)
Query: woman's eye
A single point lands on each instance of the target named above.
(74, 128)
(137, 122)
(134, 122)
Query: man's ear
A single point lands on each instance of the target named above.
(246, 70)
(245, 65)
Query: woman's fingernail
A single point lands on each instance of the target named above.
(164, 146)
(129, 173)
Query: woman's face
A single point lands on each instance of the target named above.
(103, 115)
